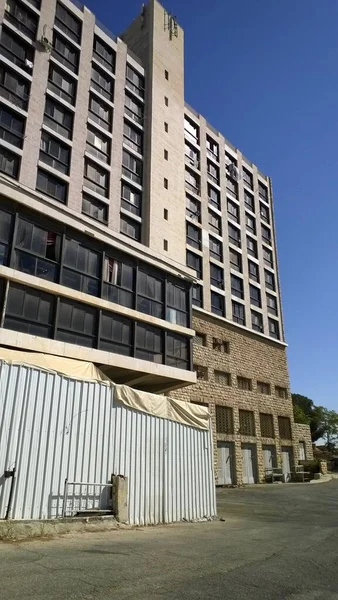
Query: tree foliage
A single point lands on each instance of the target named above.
(323, 422)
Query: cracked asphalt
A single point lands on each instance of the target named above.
(276, 542)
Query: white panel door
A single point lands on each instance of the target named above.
(248, 469)
(267, 457)
(224, 464)
(286, 462)
(302, 451)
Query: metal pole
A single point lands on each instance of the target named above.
(10, 499)
(65, 494)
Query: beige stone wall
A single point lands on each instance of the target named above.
(302, 433)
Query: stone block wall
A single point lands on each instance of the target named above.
(302, 433)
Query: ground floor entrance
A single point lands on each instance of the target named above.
(225, 463)
(249, 463)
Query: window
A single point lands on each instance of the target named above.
(238, 313)
(233, 211)
(243, 383)
(214, 197)
(130, 228)
(201, 372)
(263, 388)
(213, 172)
(251, 247)
(273, 329)
(116, 334)
(165, 183)
(166, 74)
(104, 54)
(220, 345)
(54, 153)
(9, 163)
(61, 84)
(266, 423)
(132, 167)
(200, 339)
(222, 377)
(12, 127)
(166, 127)
(249, 201)
(6, 230)
(281, 392)
(192, 181)
(197, 295)
(215, 248)
(224, 419)
(94, 208)
(102, 83)
(284, 426)
(270, 280)
(77, 323)
(193, 209)
(131, 199)
(264, 212)
(257, 321)
(237, 287)
(58, 118)
(52, 186)
(149, 343)
(194, 237)
(230, 160)
(29, 311)
(178, 351)
(134, 81)
(272, 304)
(150, 291)
(247, 178)
(22, 18)
(234, 235)
(166, 100)
(165, 154)
(96, 178)
(235, 260)
(212, 148)
(250, 223)
(191, 130)
(195, 262)
(13, 87)
(65, 53)
(177, 304)
(215, 222)
(37, 251)
(118, 282)
(81, 268)
(246, 422)
(232, 186)
(100, 112)
(255, 296)
(216, 276)
(266, 234)
(217, 304)
(192, 156)
(267, 256)
(98, 144)
(16, 50)
(133, 109)
(69, 24)
(263, 192)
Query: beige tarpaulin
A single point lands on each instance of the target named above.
(185, 413)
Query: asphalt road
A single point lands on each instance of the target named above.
(277, 542)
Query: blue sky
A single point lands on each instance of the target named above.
(266, 76)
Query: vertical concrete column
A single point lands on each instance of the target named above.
(120, 497)
(245, 255)
(204, 215)
(224, 209)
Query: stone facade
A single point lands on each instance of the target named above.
(303, 434)
(245, 355)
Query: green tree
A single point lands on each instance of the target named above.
(330, 424)
(306, 412)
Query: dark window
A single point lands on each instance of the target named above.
(130, 228)
(52, 186)
(281, 392)
(273, 329)
(95, 208)
(193, 209)
(267, 256)
(77, 323)
(195, 262)
(177, 351)
(215, 248)
(133, 109)
(65, 53)
(81, 268)
(192, 181)
(264, 212)
(197, 295)
(235, 260)
(13, 87)
(224, 419)
(266, 234)
(134, 81)
(191, 130)
(284, 426)
(216, 276)
(234, 235)
(237, 287)
(267, 428)
(243, 383)
(36, 3)
(246, 422)
(249, 201)
(165, 183)
(263, 192)
(166, 100)
(29, 311)
(116, 334)
(250, 223)
(201, 372)
(221, 345)
(233, 211)
(257, 321)
(69, 24)
(22, 18)
(104, 54)
(150, 291)
(54, 153)
(214, 197)
(165, 154)
(132, 167)
(166, 74)
(272, 304)
(149, 343)
(251, 247)
(200, 339)
(238, 313)
(263, 388)
(166, 127)
(213, 172)
(60, 119)
(118, 282)
(253, 269)
(177, 304)
(222, 377)
(133, 137)
(192, 156)
(12, 127)
(131, 199)
(96, 178)
(232, 186)
(255, 296)
(247, 178)
(37, 250)
(98, 144)
(194, 236)
(9, 163)
(217, 304)
(270, 280)
(212, 148)
(100, 112)
(16, 50)
(102, 83)
(61, 84)
(215, 222)
(6, 231)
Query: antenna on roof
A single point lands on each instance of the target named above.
(170, 24)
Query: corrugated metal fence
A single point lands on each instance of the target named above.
(53, 427)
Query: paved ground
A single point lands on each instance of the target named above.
(277, 542)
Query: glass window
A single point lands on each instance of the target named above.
(255, 295)
(247, 178)
(213, 172)
(216, 276)
(273, 329)
(9, 163)
(37, 250)
(215, 222)
(81, 268)
(130, 228)
(250, 223)
(235, 260)
(234, 235)
(16, 50)
(57, 117)
(192, 155)
(177, 351)
(192, 181)
(266, 234)
(272, 304)
(195, 262)
(177, 303)
(68, 23)
(13, 87)
(134, 81)
(102, 83)
(54, 153)
(133, 137)
(150, 291)
(197, 295)
(263, 192)
(233, 211)
(61, 84)
(12, 127)
(191, 130)
(251, 247)
(237, 286)
(131, 199)
(257, 321)
(65, 53)
(270, 280)
(132, 167)
(238, 313)
(149, 343)
(22, 18)
(212, 148)
(29, 311)
(134, 109)
(267, 256)
(52, 186)
(214, 197)
(77, 323)
(116, 334)
(94, 208)
(264, 212)
(193, 208)
(96, 178)
(253, 269)
(194, 236)
(232, 186)
(118, 278)
(98, 144)
(100, 112)
(215, 248)
(249, 201)
(217, 304)
(6, 231)
(104, 54)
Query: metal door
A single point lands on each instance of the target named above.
(302, 455)
(249, 468)
(286, 462)
(224, 461)
(269, 457)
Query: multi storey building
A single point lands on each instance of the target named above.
(121, 208)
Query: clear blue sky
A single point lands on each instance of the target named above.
(266, 75)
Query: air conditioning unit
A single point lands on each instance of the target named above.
(233, 171)
(46, 44)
